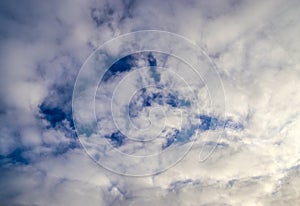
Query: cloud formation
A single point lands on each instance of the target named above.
(255, 49)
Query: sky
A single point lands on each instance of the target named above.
(149, 102)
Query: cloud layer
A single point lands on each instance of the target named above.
(255, 50)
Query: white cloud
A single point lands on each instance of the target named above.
(255, 48)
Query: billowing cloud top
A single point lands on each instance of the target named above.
(223, 133)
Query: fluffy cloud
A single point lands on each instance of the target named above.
(255, 49)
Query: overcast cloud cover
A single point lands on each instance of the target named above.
(254, 48)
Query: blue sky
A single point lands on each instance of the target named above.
(149, 103)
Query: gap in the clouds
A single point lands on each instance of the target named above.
(56, 116)
(123, 65)
(148, 97)
(26, 155)
(153, 60)
(153, 67)
(171, 138)
(56, 112)
(56, 107)
(116, 139)
(15, 157)
(159, 94)
(229, 123)
(52, 115)
(65, 147)
(212, 123)
(207, 123)
(180, 136)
